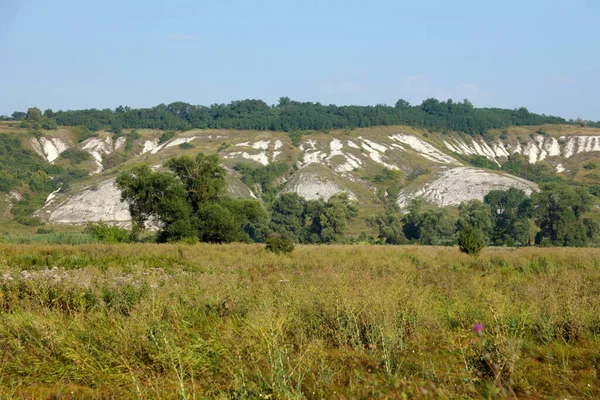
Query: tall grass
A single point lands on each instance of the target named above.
(235, 321)
(50, 238)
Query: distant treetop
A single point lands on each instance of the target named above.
(289, 115)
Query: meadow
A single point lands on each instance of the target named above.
(334, 322)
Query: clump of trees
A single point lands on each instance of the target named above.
(558, 215)
(294, 117)
(188, 202)
(312, 221)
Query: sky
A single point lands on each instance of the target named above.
(67, 54)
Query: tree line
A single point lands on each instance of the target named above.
(292, 116)
(557, 215)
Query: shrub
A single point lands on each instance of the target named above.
(107, 233)
(186, 146)
(278, 245)
(75, 156)
(166, 136)
(471, 241)
(591, 165)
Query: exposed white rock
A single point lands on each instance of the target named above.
(120, 143)
(149, 146)
(100, 204)
(262, 144)
(313, 186)
(242, 144)
(178, 141)
(13, 194)
(96, 147)
(580, 144)
(560, 168)
(50, 149)
(375, 154)
(51, 197)
(501, 151)
(37, 147)
(275, 154)
(463, 184)
(260, 157)
(353, 145)
(424, 149)
(379, 147)
(278, 144)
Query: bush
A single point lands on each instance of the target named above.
(279, 245)
(107, 233)
(186, 146)
(471, 241)
(75, 156)
(166, 136)
(591, 165)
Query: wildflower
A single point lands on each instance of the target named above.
(477, 328)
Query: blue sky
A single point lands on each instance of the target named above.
(544, 55)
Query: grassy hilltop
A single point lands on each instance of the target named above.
(233, 321)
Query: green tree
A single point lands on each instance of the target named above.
(430, 227)
(389, 227)
(287, 216)
(338, 210)
(189, 202)
(558, 210)
(477, 215)
(471, 240)
(510, 211)
(34, 114)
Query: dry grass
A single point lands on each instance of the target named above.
(233, 321)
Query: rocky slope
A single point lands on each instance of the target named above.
(358, 162)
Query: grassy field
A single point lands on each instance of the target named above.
(342, 322)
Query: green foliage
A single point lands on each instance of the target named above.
(314, 221)
(265, 176)
(186, 146)
(594, 190)
(83, 133)
(189, 202)
(471, 240)
(131, 138)
(429, 227)
(476, 215)
(389, 227)
(559, 211)
(387, 174)
(510, 213)
(540, 172)
(34, 114)
(166, 136)
(107, 233)
(293, 116)
(591, 165)
(295, 137)
(75, 156)
(478, 161)
(278, 245)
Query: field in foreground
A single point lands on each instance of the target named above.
(233, 321)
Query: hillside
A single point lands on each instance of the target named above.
(373, 165)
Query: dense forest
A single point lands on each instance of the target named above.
(290, 116)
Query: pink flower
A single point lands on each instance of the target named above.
(477, 328)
